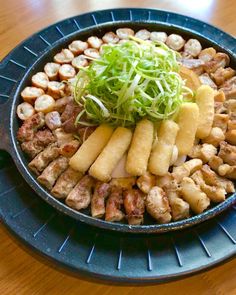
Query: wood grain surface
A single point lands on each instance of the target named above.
(22, 273)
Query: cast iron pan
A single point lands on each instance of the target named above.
(29, 58)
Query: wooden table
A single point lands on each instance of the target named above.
(20, 273)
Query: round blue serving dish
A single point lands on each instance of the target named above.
(160, 257)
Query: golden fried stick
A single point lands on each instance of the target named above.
(162, 151)
(140, 148)
(91, 148)
(111, 154)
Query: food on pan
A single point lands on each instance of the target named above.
(118, 144)
(91, 148)
(133, 123)
(162, 151)
(205, 102)
(141, 145)
(188, 123)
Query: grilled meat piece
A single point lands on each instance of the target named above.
(227, 153)
(214, 193)
(65, 183)
(179, 207)
(206, 80)
(80, 197)
(211, 178)
(146, 182)
(30, 126)
(157, 205)
(221, 121)
(134, 206)
(68, 149)
(41, 161)
(52, 172)
(61, 103)
(62, 137)
(114, 204)
(42, 139)
(229, 88)
(68, 117)
(101, 192)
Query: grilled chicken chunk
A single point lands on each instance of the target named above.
(219, 96)
(211, 178)
(215, 162)
(215, 137)
(186, 169)
(134, 206)
(229, 88)
(221, 121)
(53, 171)
(41, 161)
(215, 193)
(231, 173)
(30, 126)
(220, 60)
(101, 192)
(207, 54)
(179, 208)
(114, 204)
(80, 197)
(206, 80)
(204, 152)
(227, 153)
(65, 183)
(146, 182)
(157, 205)
(230, 136)
(41, 140)
(221, 75)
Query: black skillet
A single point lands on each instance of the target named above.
(82, 27)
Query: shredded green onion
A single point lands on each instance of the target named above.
(130, 81)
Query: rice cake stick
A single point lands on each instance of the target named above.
(205, 101)
(162, 151)
(140, 148)
(111, 154)
(91, 148)
(188, 122)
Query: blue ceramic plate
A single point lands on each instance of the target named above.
(90, 250)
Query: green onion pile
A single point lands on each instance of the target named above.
(130, 80)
